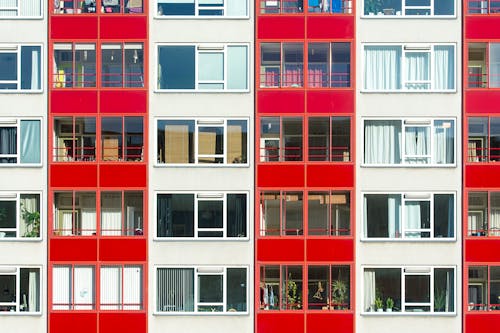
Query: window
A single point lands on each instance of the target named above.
(409, 8)
(202, 141)
(201, 215)
(122, 139)
(329, 287)
(74, 213)
(20, 67)
(484, 213)
(281, 213)
(201, 289)
(74, 65)
(105, 7)
(484, 139)
(410, 142)
(280, 287)
(281, 65)
(122, 213)
(409, 67)
(206, 67)
(203, 8)
(74, 139)
(329, 213)
(122, 65)
(19, 215)
(484, 288)
(330, 139)
(330, 6)
(121, 287)
(409, 216)
(409, 289)
(329, 65)
(23, 9)
(73, 287)
(483, 7)
(20, 289)
(20, 141)
(280, 139)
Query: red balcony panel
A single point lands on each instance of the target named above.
(338, 101)
(280, 175)
(126, 174)
(127, 322)
(284, 249)
(481, 322)
(281, 27)
(330, 249)
(123, 27)
(73, 249)
(482, 175)
(73, 175)
(276, 101)
(482, 27)
(342, 322)
(74, 322)
(482, 249)
(274, 322)
(122, 249)
(73, 101)
(71, 27)
(482, 101)
(333, 175)
(338, 26)
(124, 101)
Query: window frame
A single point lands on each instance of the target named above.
(122, 305)
(281, 156)
(197, 15)
(394, 15)
(198, 270)
(16, 123)
(468, 10)
(9, 270)
(72, 305)
(95, 8)
(17, 48)
(23, 17)
(16, 196)
(480, 211)
(485, 147)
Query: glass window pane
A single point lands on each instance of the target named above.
(133, 208)
(211, 66)
(270, 214)
(417, 289)
(293, 210)
(319, 139)
(478, 139)
(318, 214)
(29, 291)
(210, 144)
(270, 139)
(112, 138)
(237, 141)
(444, 215)
(495, 139)
(176, 141)
(237, 65)
(8, 295)
(341, 299)
(31, 67)
(293, 65)
(292, 138)
(381, 284)
(237, 8)
(382, 142)
(175, 290)
(340, 213)
(210, 288)
(318, 289)
(444, 141)
(236, 215)
(176, 67)
(236, 289)
(382, 67)
(382, 215)
(494, 65)
(444, 67)
(318, 69)
(210, 218)
(444, 290)
(30, 141)
(134, 65)
(269, 287)
(291, 286)
(85, 65)
(111, 214)
(341, 139)
(8, 66)
(175, 214)
(85, 213)
(176, 7)
(111, 65)
(270, 65)
(134, 139)
(111, 288)
(8, 218)
(29, 225)
(478, 213)
(478, 288)
(417, 219)
(494, 218)
(341, 65)
(417, 70)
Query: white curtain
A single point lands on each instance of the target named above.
(370, 291)
(65, 226)
(413, 219)
(30, 7)
(417, 145)
(175, 290)
(132, 288)
(494, 227)
(12, 8)
(35, 69)
(88, 222)
(382, 67)
(382, 142)
(444, 67)
(394, 215)
(111, 214)
(417, 70)
(61, 288)
(33, 281)
(84, 288)
(443, 143)
(111, 288)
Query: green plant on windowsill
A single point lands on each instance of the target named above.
(389, 304)
(32, 222)
(339, 294)
(379, 304)
(292, 296)
(439, 301)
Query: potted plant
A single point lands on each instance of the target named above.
(292, 297)
(372, 7)
(439, 301)
(389, 304)
(32, 222)
(339, 294)
(379, 304)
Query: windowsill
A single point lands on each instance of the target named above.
(408, 240)
(21, 239)
(2, 18)
(394, 313)
(12, 165)
(12, 91)
(13, 313)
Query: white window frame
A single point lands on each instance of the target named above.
(206, 122)
(201, 48)
(415, 122)
(17, 48)
(396, 15)
(16, 196)
(415, 271)
(198, 9)
(18, 303)
(18, 9)
(207, 196)
(412, 197)
(16, 123)
(206, 270)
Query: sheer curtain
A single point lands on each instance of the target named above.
(132, 288)
(444, 67)
(382, 67)
(382, 142)
(30, 141)
(494, 225)
(444, 142)
(111, 215)
(417, 145)
(413, 219)
(30, 8)
(417, 70)
(175, 290)
(89, 222)
(370, 290)
(83, 292)
(110, 293)
(394, 215)
(61, 288)
(33, 293)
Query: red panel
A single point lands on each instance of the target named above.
(481, 322)
(335, 175)
(330, 249)
(337, 26)
(280, 249)
(482, 249)
(124, 101)
(124, 27)
(482, 101)
(73, 322)
(482, 26)
(73, 249)
(281, 27)
(126, 174)
(122, 249)
(71, 27)
(281, 323)
(280, 175)
(73, 101)
(482, 175)
(342, 322)
(279, 101)
(128, 322)
(73, 175)
(338, 101)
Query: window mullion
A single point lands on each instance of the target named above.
(196, 132)
(431, 215)
(224, 290)
(403, 286)
(431, 297)
(196, 214)
(18, 288)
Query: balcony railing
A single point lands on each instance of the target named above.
(484, 7)
(312, 6)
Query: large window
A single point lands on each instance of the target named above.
(74, 213)
(202, 289)
(484, 288)
(20, 141)
(409, 67)
(92, 6)
(122, 213)
(23, 9)
(281, 139)
(484, 214)
(410, 216)
(20, 67)
(282, 213)
(202, 8)
(121, 287)
(409, 289)
(205, 67)
(280, 287)
(122, 139)
(483, 7)
(19, 215)
(74, 65)
(329, 287)
(74, 139)
(202, 141)
(122, 65)
(330, 139)
(73, 287)
(411, 142)
(483, 139)
(329, 65)
(409, 8)
(20, 289)
(202, 215)
(329, 213)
